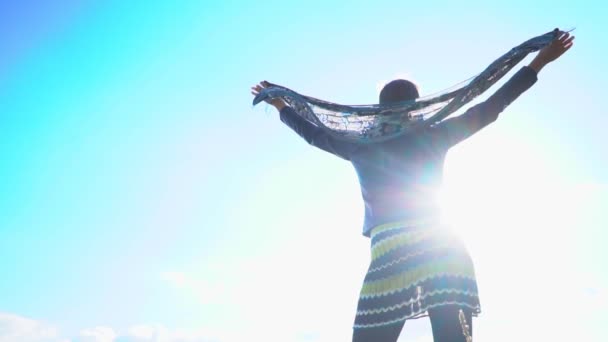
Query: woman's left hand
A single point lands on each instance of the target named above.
(277, 103)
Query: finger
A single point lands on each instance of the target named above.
(566, 44)
(569, 40)
(558, 40)
(559, 35)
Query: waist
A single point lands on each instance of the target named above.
(407, 224)
(401, 218)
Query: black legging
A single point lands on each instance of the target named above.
(444, 321)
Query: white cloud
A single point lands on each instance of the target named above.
(17, 328)
(160, 333)
(97, 334)
(142, 331)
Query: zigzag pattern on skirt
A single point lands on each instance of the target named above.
(415, 266)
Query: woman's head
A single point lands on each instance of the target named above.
(398, 91)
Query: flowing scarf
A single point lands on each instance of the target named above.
(380, 122)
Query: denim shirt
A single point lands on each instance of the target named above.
(400, 178)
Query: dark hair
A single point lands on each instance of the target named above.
(397, 91)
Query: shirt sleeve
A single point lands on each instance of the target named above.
(316, 136)
(457, 129)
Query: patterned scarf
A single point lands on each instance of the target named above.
(375, 122)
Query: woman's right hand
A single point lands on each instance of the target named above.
(558, 47)
(553, 51)
(277, 103)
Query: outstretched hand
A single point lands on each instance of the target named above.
(558, 47)
(553, 51)
(277, 103)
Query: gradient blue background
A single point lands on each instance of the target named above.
(138, 186)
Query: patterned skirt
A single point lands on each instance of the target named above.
(415, 266)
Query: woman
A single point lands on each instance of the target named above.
(418, 268)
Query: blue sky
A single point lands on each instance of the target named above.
(142, 197)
